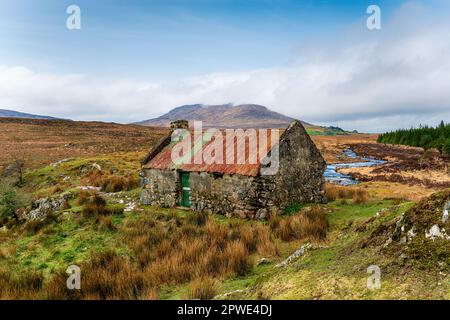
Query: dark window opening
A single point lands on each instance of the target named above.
(217, 175)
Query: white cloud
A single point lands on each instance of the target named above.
(369, 81)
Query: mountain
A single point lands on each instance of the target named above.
(16, 114)
(224, 116)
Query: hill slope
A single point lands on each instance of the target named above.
(225, 115)
(16, 114)
(41, 141)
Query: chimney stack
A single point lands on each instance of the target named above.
(179, 124)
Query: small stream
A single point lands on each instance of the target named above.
(331, 174)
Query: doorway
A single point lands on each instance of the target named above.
(185, 190)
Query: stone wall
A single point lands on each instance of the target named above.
(231, 195)
(299, 179)
(300, 175)
(160, 188)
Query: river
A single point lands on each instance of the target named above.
(332, 175)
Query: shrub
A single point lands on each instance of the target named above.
(284, 230)
(293, 208)
(167, 250)
(203, 289)
(312, 224)
(248, 237)
(11, 199)
(14, 171)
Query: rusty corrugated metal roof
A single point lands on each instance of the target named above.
(248, 166)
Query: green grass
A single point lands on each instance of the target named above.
(60, 244)
(336, 268)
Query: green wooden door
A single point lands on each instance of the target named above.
(185, 189)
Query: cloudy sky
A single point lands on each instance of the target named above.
(313, 60)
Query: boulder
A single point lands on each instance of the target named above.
(261, 214)
(44, 207)
(297, 254)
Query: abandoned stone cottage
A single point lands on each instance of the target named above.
(236, 189)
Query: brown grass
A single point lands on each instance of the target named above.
(106, 223)
(110, 182)
(360, 196)
(170, 250)
(27, 285)
(332, 147)
(106, 276)
(334, 192)
(310, 223)
(34, 226)
(41, 142)
(83, 197)
(96, 207)
(203, 289)
(236, 258)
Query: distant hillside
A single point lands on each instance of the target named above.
(40, 142)
(16, 114)
(224, 116)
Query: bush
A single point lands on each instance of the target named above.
(10, 201)
(265, 245)
(293, 208)
(331, 192)
(14, 172)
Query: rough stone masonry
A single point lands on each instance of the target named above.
(247, 194)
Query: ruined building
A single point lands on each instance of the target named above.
(236, 189)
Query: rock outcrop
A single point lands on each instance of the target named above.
(44, 207)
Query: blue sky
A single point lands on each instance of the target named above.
(168, 39)
(177, 46)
